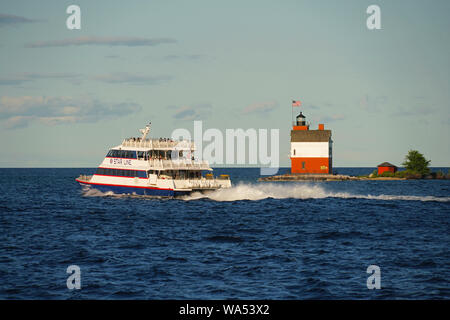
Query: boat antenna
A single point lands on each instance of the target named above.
(145, 131)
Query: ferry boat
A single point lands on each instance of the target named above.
(155, 167)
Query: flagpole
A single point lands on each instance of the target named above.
(292, 114)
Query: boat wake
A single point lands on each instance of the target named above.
(245, 191)
(92, 192)
(254, 192)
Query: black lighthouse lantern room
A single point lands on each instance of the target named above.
(301, 120)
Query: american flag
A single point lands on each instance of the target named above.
(296, 103)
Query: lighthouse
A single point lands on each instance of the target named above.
(311, 150)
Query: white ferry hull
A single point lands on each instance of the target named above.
(146, 189)
(124, 189)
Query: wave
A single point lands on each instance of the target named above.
(92, 192)
(245, 191)
(254, 192)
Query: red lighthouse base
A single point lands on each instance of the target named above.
(311, 165)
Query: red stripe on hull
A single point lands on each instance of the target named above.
(121, 185)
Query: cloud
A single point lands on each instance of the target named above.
(127, 78)
(312, 106)
(417, 106)
(101, 41)
(191, 57)
(193, 112)
(330, 118)
(9, 19)
(20, 78)
(417, 110)
(20, 111)
(74, 78)
(260, 107)
(372, 104)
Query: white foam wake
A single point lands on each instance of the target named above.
(244, 191)
(92, 192)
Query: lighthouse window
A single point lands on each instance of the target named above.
(303, 164)
(294, 152)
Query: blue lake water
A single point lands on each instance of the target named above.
(263, 240)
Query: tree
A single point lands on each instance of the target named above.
(416, 162)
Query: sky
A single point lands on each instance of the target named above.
(67, 96)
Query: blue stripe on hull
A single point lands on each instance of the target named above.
(131, 190)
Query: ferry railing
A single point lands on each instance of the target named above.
(84, 177)
(159, 144)
(178, 164)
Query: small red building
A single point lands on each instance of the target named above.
(386, 166)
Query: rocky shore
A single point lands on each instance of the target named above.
(321, 177)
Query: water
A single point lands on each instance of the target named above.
(255, 241)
